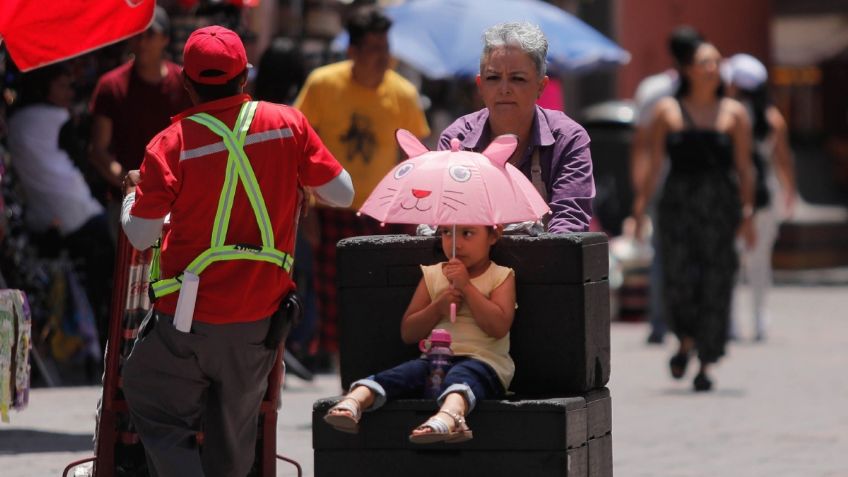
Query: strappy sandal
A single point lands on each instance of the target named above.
(348, 423)
(440, 430)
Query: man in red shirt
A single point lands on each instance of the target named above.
(132, 103)
(228, 173)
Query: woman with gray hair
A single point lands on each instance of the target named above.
(553, 150)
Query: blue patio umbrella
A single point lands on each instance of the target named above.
(442, 38)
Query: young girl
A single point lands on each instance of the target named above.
(484, 294)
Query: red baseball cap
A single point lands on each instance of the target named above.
(213, 55)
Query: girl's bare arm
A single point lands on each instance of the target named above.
(493, 315)
(423, 314)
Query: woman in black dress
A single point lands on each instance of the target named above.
(707, 199)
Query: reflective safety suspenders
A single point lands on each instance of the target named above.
(238, 169)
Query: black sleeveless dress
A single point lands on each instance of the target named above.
(699, 213)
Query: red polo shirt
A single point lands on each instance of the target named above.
(183, 173)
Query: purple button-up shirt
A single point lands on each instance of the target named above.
(564, 155)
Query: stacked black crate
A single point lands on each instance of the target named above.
(557, 422)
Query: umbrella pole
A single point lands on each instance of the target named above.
(453, 255)
(453, 242)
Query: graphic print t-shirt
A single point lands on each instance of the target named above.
(357, 124)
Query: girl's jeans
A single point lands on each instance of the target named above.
(472, 378)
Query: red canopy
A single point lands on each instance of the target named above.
(40, 32)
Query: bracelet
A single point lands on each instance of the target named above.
(747, 212)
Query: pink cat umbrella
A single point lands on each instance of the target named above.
(455, 187)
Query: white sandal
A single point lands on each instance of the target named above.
(344, 422)
(441, 430)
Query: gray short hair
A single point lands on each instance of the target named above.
(523, 35)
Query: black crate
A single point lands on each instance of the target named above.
(560, 336)
(392, 260)
(599, 461)
(465, 463)
(598, 412)
(526, 425)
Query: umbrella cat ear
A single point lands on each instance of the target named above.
(501, 148)
(409, 143)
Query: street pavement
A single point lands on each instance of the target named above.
(780, 408)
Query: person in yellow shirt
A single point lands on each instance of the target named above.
(481, 368)
(356, 106)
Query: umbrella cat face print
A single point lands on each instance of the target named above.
(455, 187)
